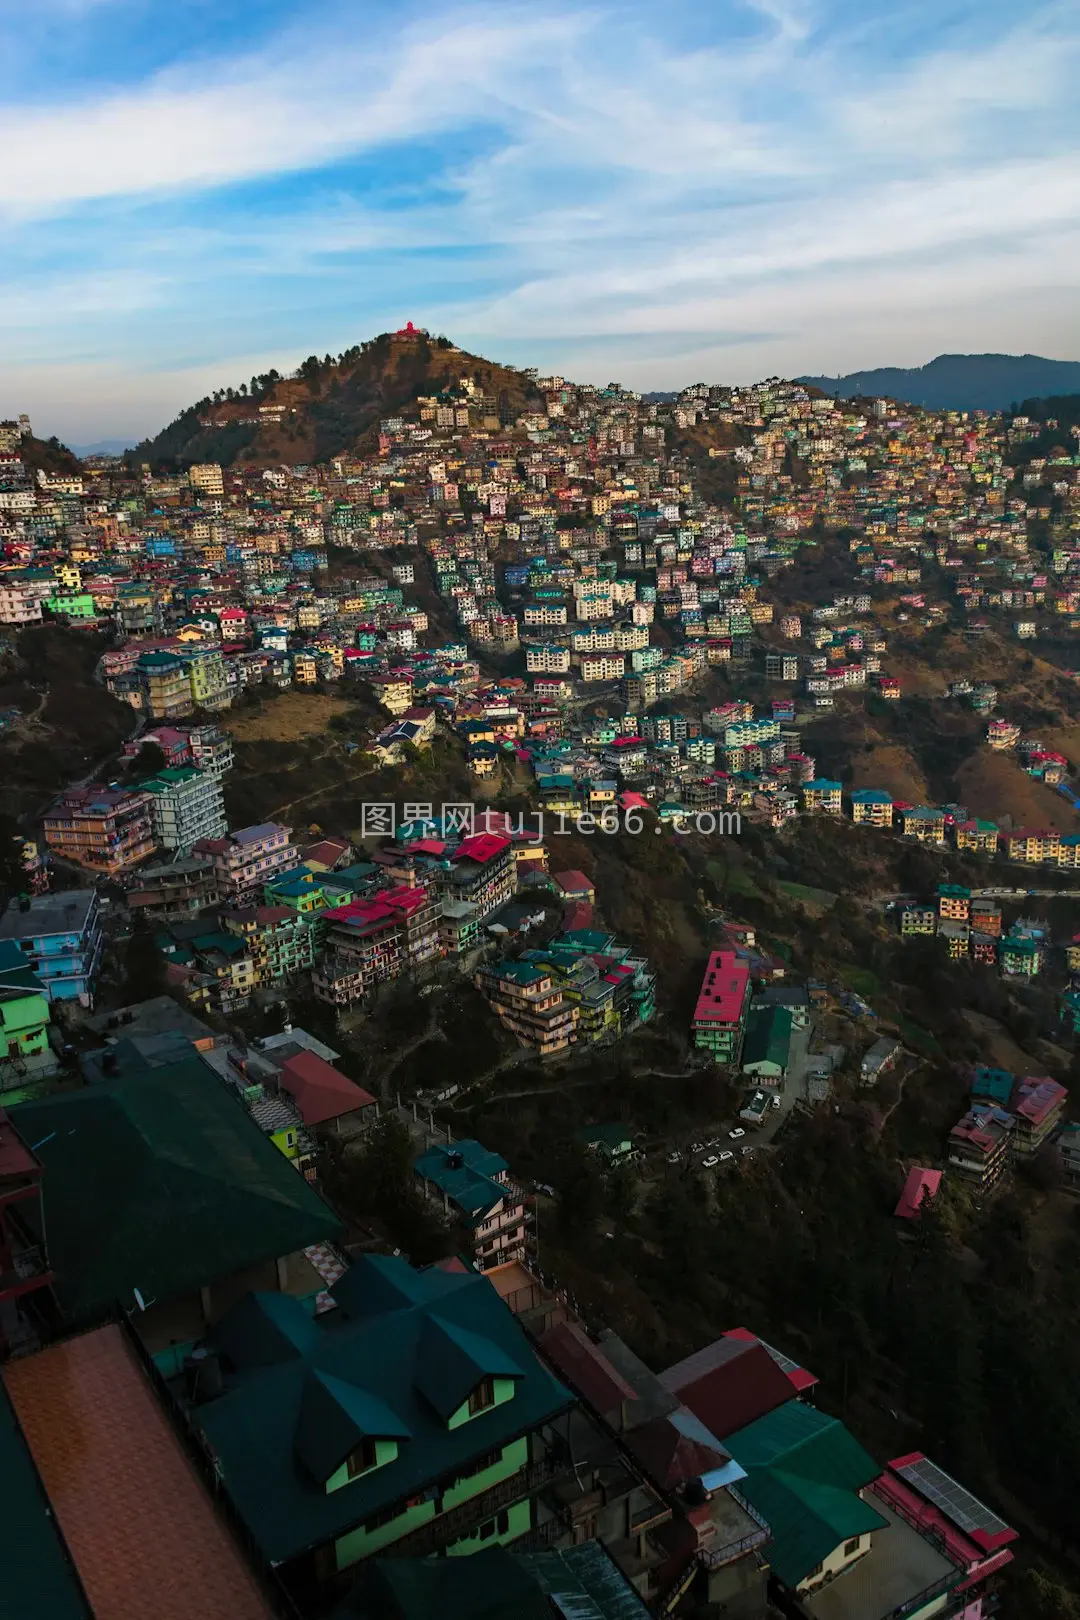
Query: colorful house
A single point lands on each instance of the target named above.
(416, 1416)
(720, 1014)
(872, 807)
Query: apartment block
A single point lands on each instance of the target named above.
(103, 829)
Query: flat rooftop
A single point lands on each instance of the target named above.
(899, 1565)
(137, 1520)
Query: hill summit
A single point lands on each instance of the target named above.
(960, 382)
(331, 406)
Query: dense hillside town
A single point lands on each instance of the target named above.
(523, 843)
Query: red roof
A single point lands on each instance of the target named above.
(723, 989)
(574, 883)
(389, 906)
(1037, 1098)
(320, 1091)
(920, 1188)
(729, 1384)
(586, 1368)
(481, 847)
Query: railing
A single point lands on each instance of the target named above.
(449, 1526)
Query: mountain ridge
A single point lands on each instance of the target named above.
(960, 382)
(328, 407)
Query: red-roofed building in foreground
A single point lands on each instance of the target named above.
(325, 1097)
(720, 1014)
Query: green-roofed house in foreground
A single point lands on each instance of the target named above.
(414, 1418)
(804, 1475)
(158, 1186)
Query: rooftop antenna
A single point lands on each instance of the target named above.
(143, 1304)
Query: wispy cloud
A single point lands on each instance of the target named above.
(766, 185)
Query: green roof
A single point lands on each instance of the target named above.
(405, 1348)
(160, 1180)
(495, 1584)
(38, 1578)
(768, 1036)
(803, 1475)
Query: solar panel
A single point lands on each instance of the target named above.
(954, 1501)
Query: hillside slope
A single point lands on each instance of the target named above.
(960, 382)
(329, 406)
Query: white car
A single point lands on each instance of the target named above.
(674, 1157)
(736, 1133)
(710, 1163)
(776, 1102)
(697, 1147)
(728, 1158)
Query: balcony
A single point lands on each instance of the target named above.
(448, 1527)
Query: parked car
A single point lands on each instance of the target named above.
(697, 1147)
(736, 1133)
(674, 1156)
(710, 1163)
(727, 1157)
(776, 1102)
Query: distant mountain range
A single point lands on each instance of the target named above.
(103, 447)
(960, 382)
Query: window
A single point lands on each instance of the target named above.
(386, 1516)
(482, 1396)
(851, 1547)
(361, 1458)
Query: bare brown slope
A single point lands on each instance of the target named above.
(331, 406)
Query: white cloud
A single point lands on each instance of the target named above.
(789, 180)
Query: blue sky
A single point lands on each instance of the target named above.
(192, 190)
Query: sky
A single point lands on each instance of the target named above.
(652, 191)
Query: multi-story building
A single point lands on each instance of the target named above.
(245, 860)
(415, 1419)
(925, 823)
(781, 666)
(211, 750)
(719, 1020)
(60, 937)
(175, 889)
(103, 829)
(822, 797)
(186, 805)
(1038, 1108)
(474, 1188)
(368, 942)
(279, 940)
(954, 902)
(478, 878)
(164, 685)
(980, 1145)
(530, 1002)
(208, 679)
(871, 807)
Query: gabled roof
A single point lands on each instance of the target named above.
(729, 1384)
(804, 1473)
(335, 1416)
(140, 1525)
(161, 1181)
(416, 1343)
(38, 1578)
(321, 1092)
